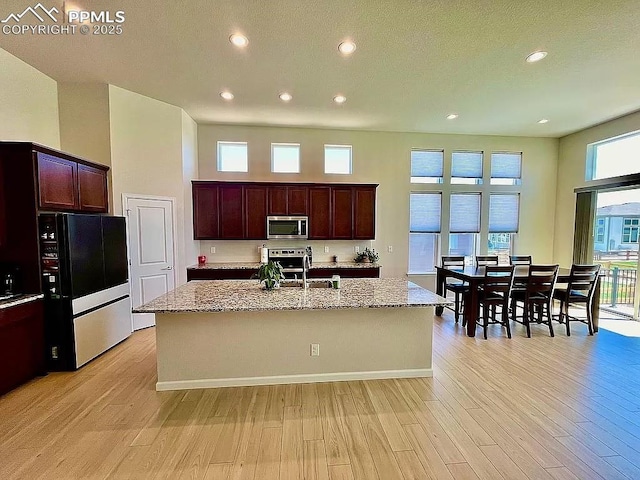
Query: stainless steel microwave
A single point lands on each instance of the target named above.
(288, 227)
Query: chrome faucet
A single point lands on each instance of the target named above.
(306, 265)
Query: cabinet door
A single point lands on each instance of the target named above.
(205, 212)
(342, 212)
(255, 201)
(231, 212)
(277, 200)
(92, 189)
(319, 212)
(57, 183)
(364, 212)
(297, 200)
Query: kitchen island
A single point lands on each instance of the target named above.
(221, 333)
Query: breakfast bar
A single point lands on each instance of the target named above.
(219, 333)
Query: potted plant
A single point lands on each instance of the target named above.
(270, 274)
(367, 256)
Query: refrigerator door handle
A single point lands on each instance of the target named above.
(168, 268)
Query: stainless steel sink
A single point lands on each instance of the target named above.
(320, 284)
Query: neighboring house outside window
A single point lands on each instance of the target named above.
(600, 223)
(617, 227)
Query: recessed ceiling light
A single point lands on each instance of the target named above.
(347, 48)
(452, 116)
(535, 57)
(285, 97)
(544, 120)
(239, 40)
(226, 95)
(339, 99)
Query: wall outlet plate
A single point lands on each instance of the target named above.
(326, 249)
(357, 248)
(213, 249)
(315, 349)
(390, 249)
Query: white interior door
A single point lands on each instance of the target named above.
(150, 229)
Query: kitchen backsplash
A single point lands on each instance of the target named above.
(248, 250)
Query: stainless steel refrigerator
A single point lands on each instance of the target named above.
(86, 286)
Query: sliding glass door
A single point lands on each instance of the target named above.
(616, 238)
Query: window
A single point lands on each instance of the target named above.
(466, 168)
(424, 230)
(504, 215)
(630, 230)
(337, 159)
(614, 157)
(285, 157)
(500, 244)
(599, 230)
(232, 157)
(427, 166)
(506, 168)
(464, 224)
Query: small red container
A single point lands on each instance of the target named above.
(202, 259)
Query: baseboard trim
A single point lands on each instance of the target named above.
(285, 379)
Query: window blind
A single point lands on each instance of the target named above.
(506, 165)
(504, 213)
(465, 213)
(424, 212)
(427, 163)
(466, 164)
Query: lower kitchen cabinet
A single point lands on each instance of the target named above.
(373, 272)
(220, 273)
(21, 344)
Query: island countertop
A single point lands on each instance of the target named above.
(248, 295)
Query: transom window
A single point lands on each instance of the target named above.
(427, 166)
(232, 157)
(285, 157)
(614, 157)
(337, 159)
(506, 168)
(466, 168)
(630, 230)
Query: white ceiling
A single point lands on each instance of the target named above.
(416, 61)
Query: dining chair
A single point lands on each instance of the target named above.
(457, 287)
(495, 291)
(484, 260)
(520, 260)
(580, 289)
(537, 296)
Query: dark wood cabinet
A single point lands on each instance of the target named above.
(238, 210)
(21, 344)
(255, 201)
(319, 213)
(297, 199)
(373, 272)
(92, 189)
(342, 212)
(68, 184)
(246, 273)
(364, 213)
(57, 182)
(205, 211)
(232, 211)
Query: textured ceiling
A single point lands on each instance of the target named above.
(416, 61)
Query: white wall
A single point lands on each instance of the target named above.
(28, 103)
(571, 175)
(383, 157)
(146, 155)
(189, 172)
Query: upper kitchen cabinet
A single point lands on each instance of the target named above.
(92, 189)
(364, 212)
(232, 212)
(342, 212)
(57, 182)
(205, 211)
(288, 200)
(255, 201)
(320, 212)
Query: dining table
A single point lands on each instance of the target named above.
(474, 276)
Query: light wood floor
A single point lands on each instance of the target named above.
(539, 408)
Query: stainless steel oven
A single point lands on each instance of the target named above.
(288, 227)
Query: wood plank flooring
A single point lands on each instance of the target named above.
(538, 408)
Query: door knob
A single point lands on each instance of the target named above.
(168, 268)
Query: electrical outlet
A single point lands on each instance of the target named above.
(357, 248)
(390, 249)
(315, 349)
(326, 249)
(213, 249)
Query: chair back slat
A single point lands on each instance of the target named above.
(453, 261)
(583, 279)
(542, 279)
(498, 279)
(484, 260)
(520, 259)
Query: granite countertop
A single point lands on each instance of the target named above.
(248, 295)
(256, 265)
(12, 302)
